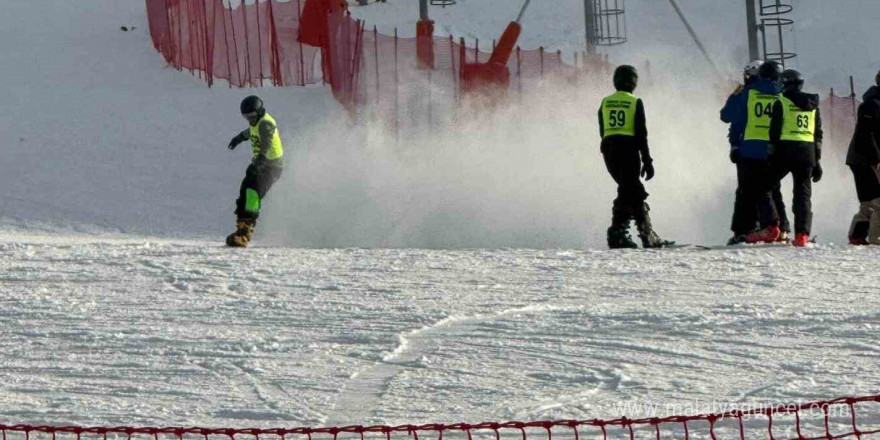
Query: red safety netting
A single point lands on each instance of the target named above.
(832, 424)
(244, 45)
(838, 118)
(279, 42)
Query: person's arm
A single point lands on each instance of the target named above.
(776, 123)
(239, 138)
(818, 134)
(601, 124)
(641, 131)
(728, 112)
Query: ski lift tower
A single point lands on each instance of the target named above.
(774, 22)
(605, 22)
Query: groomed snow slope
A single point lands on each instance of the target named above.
(118, 305)
(157, 332)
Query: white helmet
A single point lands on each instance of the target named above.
(751, 70)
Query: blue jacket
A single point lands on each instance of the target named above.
(735, 112)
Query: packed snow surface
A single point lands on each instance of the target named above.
(147, 331)
(118, 304)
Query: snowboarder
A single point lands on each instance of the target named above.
(265, 168)
(625, 150)
(745, 218)
(863, 159)
(796, 148)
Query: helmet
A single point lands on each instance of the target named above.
(750, 72)
(252, 105)
(770, 70)
(626, 78)
(792, 80)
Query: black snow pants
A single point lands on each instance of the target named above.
(745, 216)
(624, 165)
(254, 186)
(867, 183)
(799, 160)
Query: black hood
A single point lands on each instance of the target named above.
(873, 94)
(804, 101)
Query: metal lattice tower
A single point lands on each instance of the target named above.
(774, 23)
(605, 22)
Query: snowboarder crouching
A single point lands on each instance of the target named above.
(264, 170)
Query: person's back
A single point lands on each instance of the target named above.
(864, 148)
(625, 150)
(796, 145)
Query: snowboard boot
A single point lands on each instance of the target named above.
(858, 229)
(801, 239)
(874, 225)
(767, 235)
(244, 231)
(618, 238)
(783, 236)
(649, 238)
(618, 233)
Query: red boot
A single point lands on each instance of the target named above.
(766, 235)
(801, 239)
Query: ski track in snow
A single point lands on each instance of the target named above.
(143, 331)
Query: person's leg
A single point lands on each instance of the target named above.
(626, 175)
(802, 205)
(867, 189)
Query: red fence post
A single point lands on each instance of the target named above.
(519, 71)
(852, 90)
(376, 57)
(541, 53)
(235, 46)
(396, 93)
(277, 77)
(247, 43)
(259, 40)
(462, 60)
(302, 68)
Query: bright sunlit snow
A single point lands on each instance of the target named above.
(460, 276)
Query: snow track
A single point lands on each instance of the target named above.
(146, 331)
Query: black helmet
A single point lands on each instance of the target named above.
(770, 70)
(626, 78)
(792, 80)
(252, 104)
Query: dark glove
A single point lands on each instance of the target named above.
(234, 142)
(648, 170)
(734, 154)
(817, 172)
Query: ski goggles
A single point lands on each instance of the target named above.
(252, 116)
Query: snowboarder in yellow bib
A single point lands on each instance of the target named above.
(625, 150)
(266, 166)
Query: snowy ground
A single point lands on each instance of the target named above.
(119, 306)
(146, 331)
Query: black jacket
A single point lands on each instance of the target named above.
(864, 149)
(805, 102)
(638, 143)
